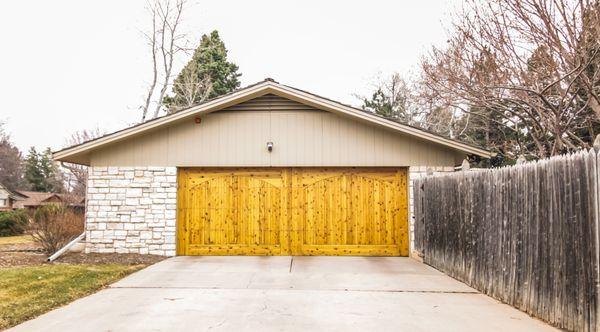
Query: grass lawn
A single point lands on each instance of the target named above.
(26, 292)
(15, 239)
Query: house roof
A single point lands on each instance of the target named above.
(268, 86)
(11, 194)
(35, 198)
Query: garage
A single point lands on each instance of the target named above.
(268, 169)
(293, 211)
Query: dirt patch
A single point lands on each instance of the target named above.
(27, 254)
(94, 258)
(12, 259)
(21, 254)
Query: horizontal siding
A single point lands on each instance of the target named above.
(302, 136)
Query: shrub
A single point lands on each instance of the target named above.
(55, 225)
(13, 222)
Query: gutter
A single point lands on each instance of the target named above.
(65, 248)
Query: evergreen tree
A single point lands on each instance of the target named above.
(41, 172)
(207, 75)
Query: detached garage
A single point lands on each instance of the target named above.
(265, 170)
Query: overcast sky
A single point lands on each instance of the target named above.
(72, 65)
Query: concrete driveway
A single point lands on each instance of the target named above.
(286, 294)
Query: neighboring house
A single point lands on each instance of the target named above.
(8, 199)
(32, 200)
(265, 170)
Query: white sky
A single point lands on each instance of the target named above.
(70, 65)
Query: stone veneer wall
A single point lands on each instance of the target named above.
(131, 210)
(415, 172)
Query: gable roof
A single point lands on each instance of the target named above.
(11, 194)
(34, 198)
(268, 86)
(37, 198)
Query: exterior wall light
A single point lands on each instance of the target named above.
(269, 146)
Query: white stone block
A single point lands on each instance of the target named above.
(118, 183)
(96, 234)
(133, 192)
(132, 201)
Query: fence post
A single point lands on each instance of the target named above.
(465, 166)
(596, 150)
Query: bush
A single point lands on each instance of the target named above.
(54, 226)
(13, 222)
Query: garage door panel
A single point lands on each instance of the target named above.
(349, 211)
(229, 212)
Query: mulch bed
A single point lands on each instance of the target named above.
(27, 254)
(12, 259)
(21, 254)
(124, 259)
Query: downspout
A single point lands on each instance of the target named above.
(65, 248)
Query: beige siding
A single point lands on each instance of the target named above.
(4, 199)
(302, 136)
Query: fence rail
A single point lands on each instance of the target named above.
(526, 235)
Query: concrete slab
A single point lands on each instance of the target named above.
(285, 294)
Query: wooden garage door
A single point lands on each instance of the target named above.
(293, 211)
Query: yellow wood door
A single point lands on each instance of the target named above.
(232, 212)
(349, 211)
(293, 211)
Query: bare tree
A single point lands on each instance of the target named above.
(152, 43)
(192, 89)
(531, 66)
(77, 174)
(165, 42)
(393, 98)
(11, 163)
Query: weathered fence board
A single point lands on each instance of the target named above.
(527, 234)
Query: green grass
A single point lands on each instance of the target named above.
(27, 292)
(15, 239)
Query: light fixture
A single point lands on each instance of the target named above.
(269, 146)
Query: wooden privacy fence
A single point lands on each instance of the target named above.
(526, 235)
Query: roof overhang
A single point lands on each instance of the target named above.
(78, 153)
